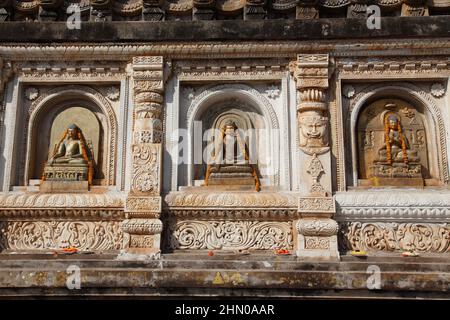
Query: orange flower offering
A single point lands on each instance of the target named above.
(70, 249)
(410, 254)
(282, 251)
(210, 253)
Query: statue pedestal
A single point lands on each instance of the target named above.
(316, 231)
(66, 172)
(63, 186)
(231, 175)
(397, 174)
(65, 178)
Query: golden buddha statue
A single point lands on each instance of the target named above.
(397, 164)
(396, 146)
(71, 159)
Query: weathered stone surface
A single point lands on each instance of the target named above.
(225, 30)
(224, 275)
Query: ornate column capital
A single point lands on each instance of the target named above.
(311, 73)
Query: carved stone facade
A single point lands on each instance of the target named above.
(349, 138)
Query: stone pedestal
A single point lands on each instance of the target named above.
(144, 239)
(397, 174)
(317, 232)
(64, 186)
(66, 172)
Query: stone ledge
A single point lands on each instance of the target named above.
(219, 30)
(395, 205)
(281, 276)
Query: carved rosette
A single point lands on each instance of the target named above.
(143, 204)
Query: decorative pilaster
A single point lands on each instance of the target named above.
(317, 232)
(203, 9)
(143, 204)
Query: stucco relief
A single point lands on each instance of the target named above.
(41, 235)
(393, 236)
(230, 235)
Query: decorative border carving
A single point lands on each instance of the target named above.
(405, 67)
(390, 237)
(68, 72)
(317, 227)
(278, 214)
(316, 205)
(41, 235)
(207, 50)
(184, 200)
(142, 226)
(229, 235)
(399, 205)
(60, 200)
(143, 204)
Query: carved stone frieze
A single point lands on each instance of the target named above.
(19, 200)
(318, 205)
(399, 205)
(393, 236)
(143, 204)
(229, 235)
(317, 227)
(279, 214)
(84, 235)
(142, 226)
(230, 200)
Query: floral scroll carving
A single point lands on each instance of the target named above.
(85, 235)
(230, 235)
(389, 237)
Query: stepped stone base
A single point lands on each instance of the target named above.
(224, 275)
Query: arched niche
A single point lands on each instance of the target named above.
(421, 129)
(250, 111)
(49, 119)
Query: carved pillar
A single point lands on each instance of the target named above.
(307, 9)
(101, 10)
(5, 10)
(317, 232)
(153, 11)
(254, 10)
(143, 204)
(203, 9)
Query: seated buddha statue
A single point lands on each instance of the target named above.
(231, 164)
(70, 149)
(71, 159)
(396, 147)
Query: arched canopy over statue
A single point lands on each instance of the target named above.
(71, 159)
(230, 161)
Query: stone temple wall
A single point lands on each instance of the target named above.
(306, 98)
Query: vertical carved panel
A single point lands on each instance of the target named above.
(143, 203)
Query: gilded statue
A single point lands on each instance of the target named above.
(71, 158)
(396, 146)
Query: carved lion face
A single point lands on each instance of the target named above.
(313, 126)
